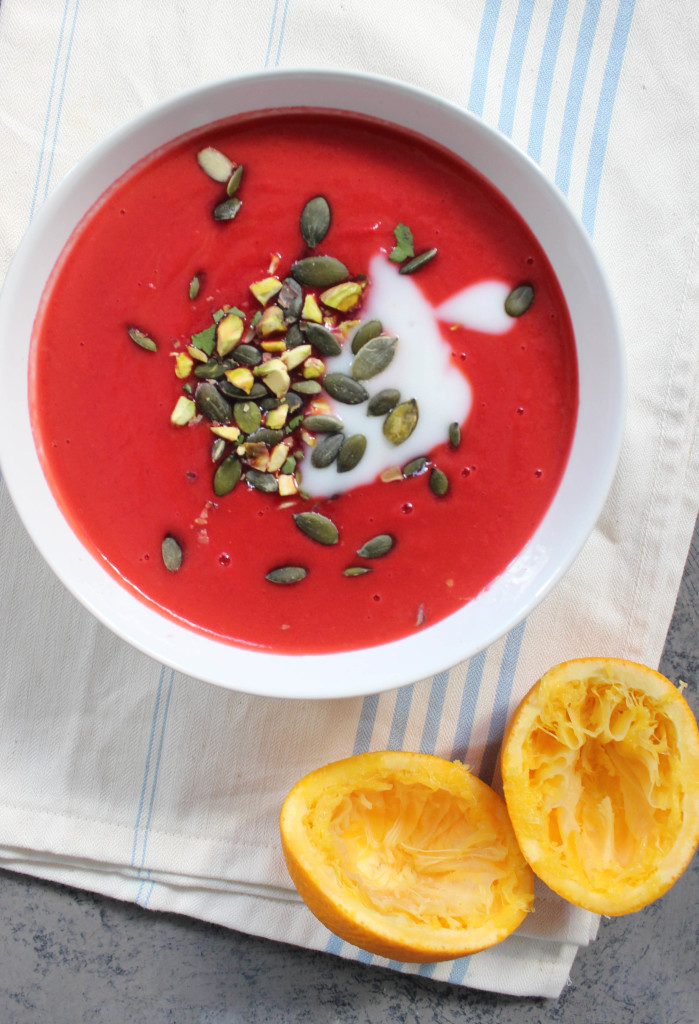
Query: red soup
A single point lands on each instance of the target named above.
(311, 405)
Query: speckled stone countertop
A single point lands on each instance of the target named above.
(68, 957)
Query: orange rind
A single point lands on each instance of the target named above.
(600, 768)
(405, 855)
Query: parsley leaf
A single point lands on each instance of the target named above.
(403, 248)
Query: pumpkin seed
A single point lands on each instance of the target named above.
(323, 339)
(194, 286)
(322, 423)
(383, 401)
(266, 435)
(439, 482)
(377, 546)
(307, 387)
(142, 340)
(266, 482)
(217, 449)
(373, 357)
(226, 476)
(418, 261)
(415, 466)
(401, 421)
(290, 298)
(172, 553)
(247, 415)
(211, 370)
(519, 300)
(315, 220)
(212, 404)
(351, 453)
(454, 435)
(365, 332)
(326, 450)
(246, 355)
(319, 271)
(294, 337)
(269, 403)
(215, 164)
(356, 570)
(286, 574)
(293, 401)
(345, 389)
(317, 527)
(234, 181)
(227, 209)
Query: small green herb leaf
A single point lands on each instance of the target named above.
(403, 248)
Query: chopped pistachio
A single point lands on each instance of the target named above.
(343, 296)
(278, 382)
(183, 365)
(293, 357)
(264, 290)
(184, 411)
(276, 418)
(228, 433)
(273, 346)
(278, 456)
(311, 310)
(215, 164)
(241, 377)
(313, 367)
(287, 484)
(197, 354)
(228, 333)
(271, 322)
(255, 454)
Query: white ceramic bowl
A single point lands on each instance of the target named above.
(578, 501)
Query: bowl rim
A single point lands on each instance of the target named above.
(516, 592)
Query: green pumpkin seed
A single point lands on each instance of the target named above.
(293, 401)
(377, 546)
(439, 482)
(212, 404)
(307, 387)
(211, 370)
(519, 300)
(227, 209)
(194, 286)
(345, 389)
(266, 435)
(401, 421)
(351, 453)
(234, 181)
(383, 401)
(323, 339)
(287, 574)
(365, 332)
(356, 570)
(317, 527)
(217, 449)
(246, 355)
(142, 340)
(418, 261)
(290, 298)
(315, 220)
(266, 482)
(415, 466)
(326, 450)
(226, 476)
(373, 357)
(294, 337)
(172, 553)
(319, 271)
(322, 423)
(215, 164)
(454, 435)
(247, 415)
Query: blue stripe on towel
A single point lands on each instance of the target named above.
(571, 114)
(49, 105)
(484, 49)
(513, 71)
(467, 711)
(154, 783)
(60, 98)
(544, 80)
(365, 727)
(433, 718)
(271, 33)
(605, 107)
(404, 699)
(498, 718)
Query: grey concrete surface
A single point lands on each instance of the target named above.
(68, 957)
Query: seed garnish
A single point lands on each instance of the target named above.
(418, 261)
(318, 527)
(287, 574)
(227, 475)
(356, 570)
(365, 332)
(401, 421)
(454, 435)
(227, 209)
(519, 300)
(215, 164)
(439, 482)
(351, 453)
(315, 221)
(326, 450)
(377, 546)
(172, 553)
(323, 339)
(373, 357)
(319, 271)
(345, 389)
(383, 401)
(142, 340)
(322, 423)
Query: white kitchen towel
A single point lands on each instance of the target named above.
(123, 777)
